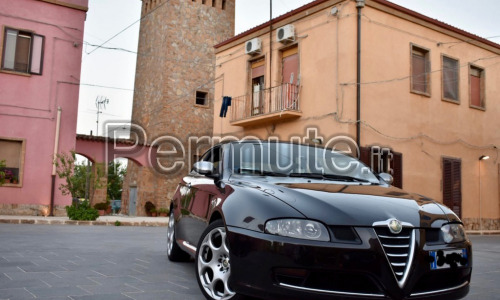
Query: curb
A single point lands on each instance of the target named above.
(82, 223)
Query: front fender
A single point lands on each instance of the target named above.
(249, 208)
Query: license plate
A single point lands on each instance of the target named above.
(445, 259)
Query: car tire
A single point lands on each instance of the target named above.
(174, 252)
(213, 267)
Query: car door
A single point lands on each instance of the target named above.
(197, 191)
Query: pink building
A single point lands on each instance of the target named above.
(40, 52)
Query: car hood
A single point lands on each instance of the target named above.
(356, 204)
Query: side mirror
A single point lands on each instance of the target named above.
(204, 168)
(386, 177)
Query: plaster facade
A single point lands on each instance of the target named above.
(29, 100)
(425, 127)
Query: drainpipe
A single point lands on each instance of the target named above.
(56, 149)
(359, 5)
(270, 42)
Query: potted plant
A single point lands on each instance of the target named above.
(2, 172)
(163, 212)
(101, 208)
(8, 175)
(154, 212)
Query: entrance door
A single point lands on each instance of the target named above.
(132, 204)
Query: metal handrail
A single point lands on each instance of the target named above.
(280, 98)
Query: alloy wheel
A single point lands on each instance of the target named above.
(213, 264)
(170, 233)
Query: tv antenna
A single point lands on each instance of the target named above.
(100, 103)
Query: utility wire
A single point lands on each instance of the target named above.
(123, 30)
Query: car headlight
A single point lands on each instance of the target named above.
(298, 228)
(453, 233)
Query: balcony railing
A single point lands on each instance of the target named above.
(278, 101)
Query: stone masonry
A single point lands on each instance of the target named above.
(175, 59)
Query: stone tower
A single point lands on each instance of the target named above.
(174, 85)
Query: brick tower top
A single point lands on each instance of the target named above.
(174, 83)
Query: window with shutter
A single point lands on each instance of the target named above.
(384, 160)
(476, 82)
(23, 51)
(452, 184)
(420, 70)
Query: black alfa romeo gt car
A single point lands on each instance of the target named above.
(279, 220)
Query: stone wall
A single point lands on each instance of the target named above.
(175, 59)
(472, 224)
(31, 210)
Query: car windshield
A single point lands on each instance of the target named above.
(294, 160)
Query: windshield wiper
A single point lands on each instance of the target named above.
(328, 176)
(260, 172)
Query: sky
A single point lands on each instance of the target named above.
(108, 72)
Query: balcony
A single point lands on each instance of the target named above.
(269, 105)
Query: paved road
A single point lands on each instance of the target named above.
(112, 263)
(90, 262)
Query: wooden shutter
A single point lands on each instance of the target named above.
(364, 155)
(397, 169)
(290, 65)
(258, 68)
(37, 54)
(395, 164)
(418, 73)
(452, 184)
(475, 87)
(420, 67)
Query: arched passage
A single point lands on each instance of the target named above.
(102, 150)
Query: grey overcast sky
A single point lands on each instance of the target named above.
(109, 71)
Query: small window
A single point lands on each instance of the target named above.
(450, 78)
(214, 3)
(23, 51)
(223, 4)
(476, 87)
(11, 151)
(420, 71)
(201, 98)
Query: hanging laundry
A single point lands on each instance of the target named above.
(226, 102)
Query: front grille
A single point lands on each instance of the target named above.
(398, 249)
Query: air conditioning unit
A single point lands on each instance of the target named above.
(253, 46)
(286, 34)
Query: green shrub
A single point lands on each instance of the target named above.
(82, 212)
(118, 223)
(163, 211)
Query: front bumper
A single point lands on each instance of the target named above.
(275, 267)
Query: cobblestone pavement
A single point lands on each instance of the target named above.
(90, 262)
(106, 262)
